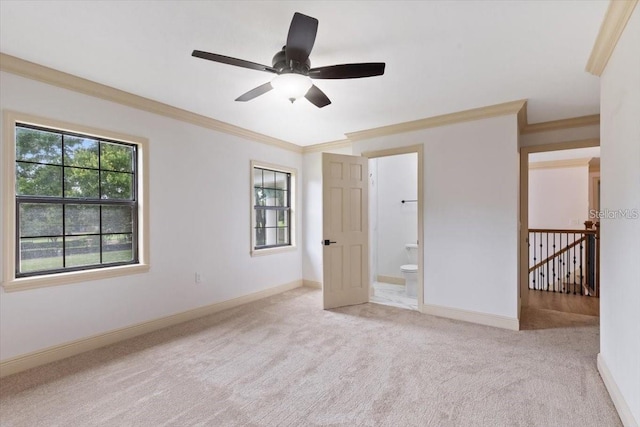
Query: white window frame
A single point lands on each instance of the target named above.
(292, 209)
(10, 282)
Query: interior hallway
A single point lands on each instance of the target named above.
(566, 303)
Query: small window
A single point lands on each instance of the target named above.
(272, 207)
(76, 202)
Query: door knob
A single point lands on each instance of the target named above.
(327, 242)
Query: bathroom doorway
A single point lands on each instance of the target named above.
(395, 227)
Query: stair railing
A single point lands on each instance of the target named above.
(565, 261)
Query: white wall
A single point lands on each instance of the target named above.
(470, 212)
(312, 214)
(559, 197)
(395, 223)
(620, 238)
(199, 215)
(570, 154)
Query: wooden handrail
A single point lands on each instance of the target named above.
(557, 254)
(552, 230)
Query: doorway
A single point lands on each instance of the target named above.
(559, 237)
(396, 227)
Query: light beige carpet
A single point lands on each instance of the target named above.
(285, 362)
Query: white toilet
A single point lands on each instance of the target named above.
(410, 271)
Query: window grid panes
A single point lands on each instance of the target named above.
(272, 204)
(76, 202)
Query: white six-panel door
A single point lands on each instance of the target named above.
(345, 196)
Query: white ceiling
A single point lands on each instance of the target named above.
(441, 56)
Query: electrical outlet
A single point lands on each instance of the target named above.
(198, 278)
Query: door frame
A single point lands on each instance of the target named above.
(419, 150)
(523, 266)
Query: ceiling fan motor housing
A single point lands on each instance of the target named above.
(279, 62)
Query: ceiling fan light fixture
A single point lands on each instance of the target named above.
(291, 85)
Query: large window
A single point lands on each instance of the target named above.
(76, 202)
(272, 207)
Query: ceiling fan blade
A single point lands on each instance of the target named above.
(255, 92)
(302, 35)
(317, 97)
(348, 71)
(232, 61)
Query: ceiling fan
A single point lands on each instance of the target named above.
(293, 68)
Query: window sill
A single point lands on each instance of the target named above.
(271, 251)
(25, 283)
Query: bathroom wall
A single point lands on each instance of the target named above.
(395, 223)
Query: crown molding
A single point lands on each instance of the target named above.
(522, 117)
(326, 146)
(615, 20)
(33, 71)
(462, 116)
(565, 163)
(504, 109)
(574, 122)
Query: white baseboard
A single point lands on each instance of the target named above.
(312, 284)
(494, 320)
(618, 399)
(62, 351)
(390, 279)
